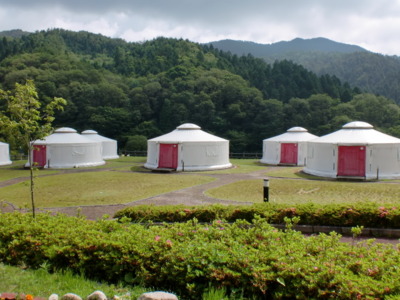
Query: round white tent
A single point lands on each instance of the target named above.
(355, 151)
(289, 148)
(188, 148)
(66, 148)
(109, 146)
(4, 154)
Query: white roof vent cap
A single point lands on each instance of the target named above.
(65, 130)
(297, 129)
(89, 131)
(358, 125)
(188, 126)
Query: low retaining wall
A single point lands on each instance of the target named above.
(345, 231)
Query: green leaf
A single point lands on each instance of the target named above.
(281, 281)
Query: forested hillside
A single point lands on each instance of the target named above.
(134, 91)
(280, 50)
(371, 72)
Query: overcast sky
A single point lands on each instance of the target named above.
(371, 24)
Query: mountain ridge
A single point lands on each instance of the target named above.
(319, 44)
(372, 72)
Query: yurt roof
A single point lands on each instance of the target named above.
(187, 132)
(93, 135)
(357, 133)
(294, 134)
(64, 135)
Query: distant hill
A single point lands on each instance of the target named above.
(15, 33)
(372, 72)
(285, 47)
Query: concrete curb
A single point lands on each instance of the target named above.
(345, 231)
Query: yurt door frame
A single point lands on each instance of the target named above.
(168, 157)
(289, 153)
(351, 161)
(39, 156)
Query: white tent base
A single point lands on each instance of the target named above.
(111, 157)
(190, 168)
(368, 176)
(69, 166)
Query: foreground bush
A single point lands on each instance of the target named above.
(360, 214)
(258, 260)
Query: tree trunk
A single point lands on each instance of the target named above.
(32, 183)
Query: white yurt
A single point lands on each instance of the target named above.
(66, 148)
(4, 154)
(188, 148)
(289, 148)
(355, 151)
(109, 146)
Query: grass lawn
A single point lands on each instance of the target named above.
(288, 172)
(301, 191)
(125, 179)
(16, 170)
(96, 188)
(39, 283)
(240, 166)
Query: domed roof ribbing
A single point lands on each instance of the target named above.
(294, 134)
(93, 135)
(357, 133)
(187, 133)
(64, 135)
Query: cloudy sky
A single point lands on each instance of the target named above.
(372, 24)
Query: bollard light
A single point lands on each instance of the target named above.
(266, 190)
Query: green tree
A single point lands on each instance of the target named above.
(136, 143)
(23, 115)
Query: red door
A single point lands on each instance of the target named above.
(168, 156)
(351, 161)
(289, 153)
(39, 156)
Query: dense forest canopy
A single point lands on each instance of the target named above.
(134, 91)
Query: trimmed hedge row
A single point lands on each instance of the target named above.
(257, 261)
(360, 214)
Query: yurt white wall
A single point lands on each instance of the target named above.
(188, 148)
(289, 148)
(355, 151)
(109, 146)
(65, 148)
(4, 154)
(321, 159)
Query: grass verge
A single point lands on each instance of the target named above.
(98, 188)
(240, 166)
(292, 191)
(40, 283)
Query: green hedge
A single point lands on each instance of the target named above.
(360, 214)
(257, 261)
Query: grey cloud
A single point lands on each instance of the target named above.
(335, 19)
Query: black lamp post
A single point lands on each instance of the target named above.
(266, 190)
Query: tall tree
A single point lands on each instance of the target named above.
(23, 115)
